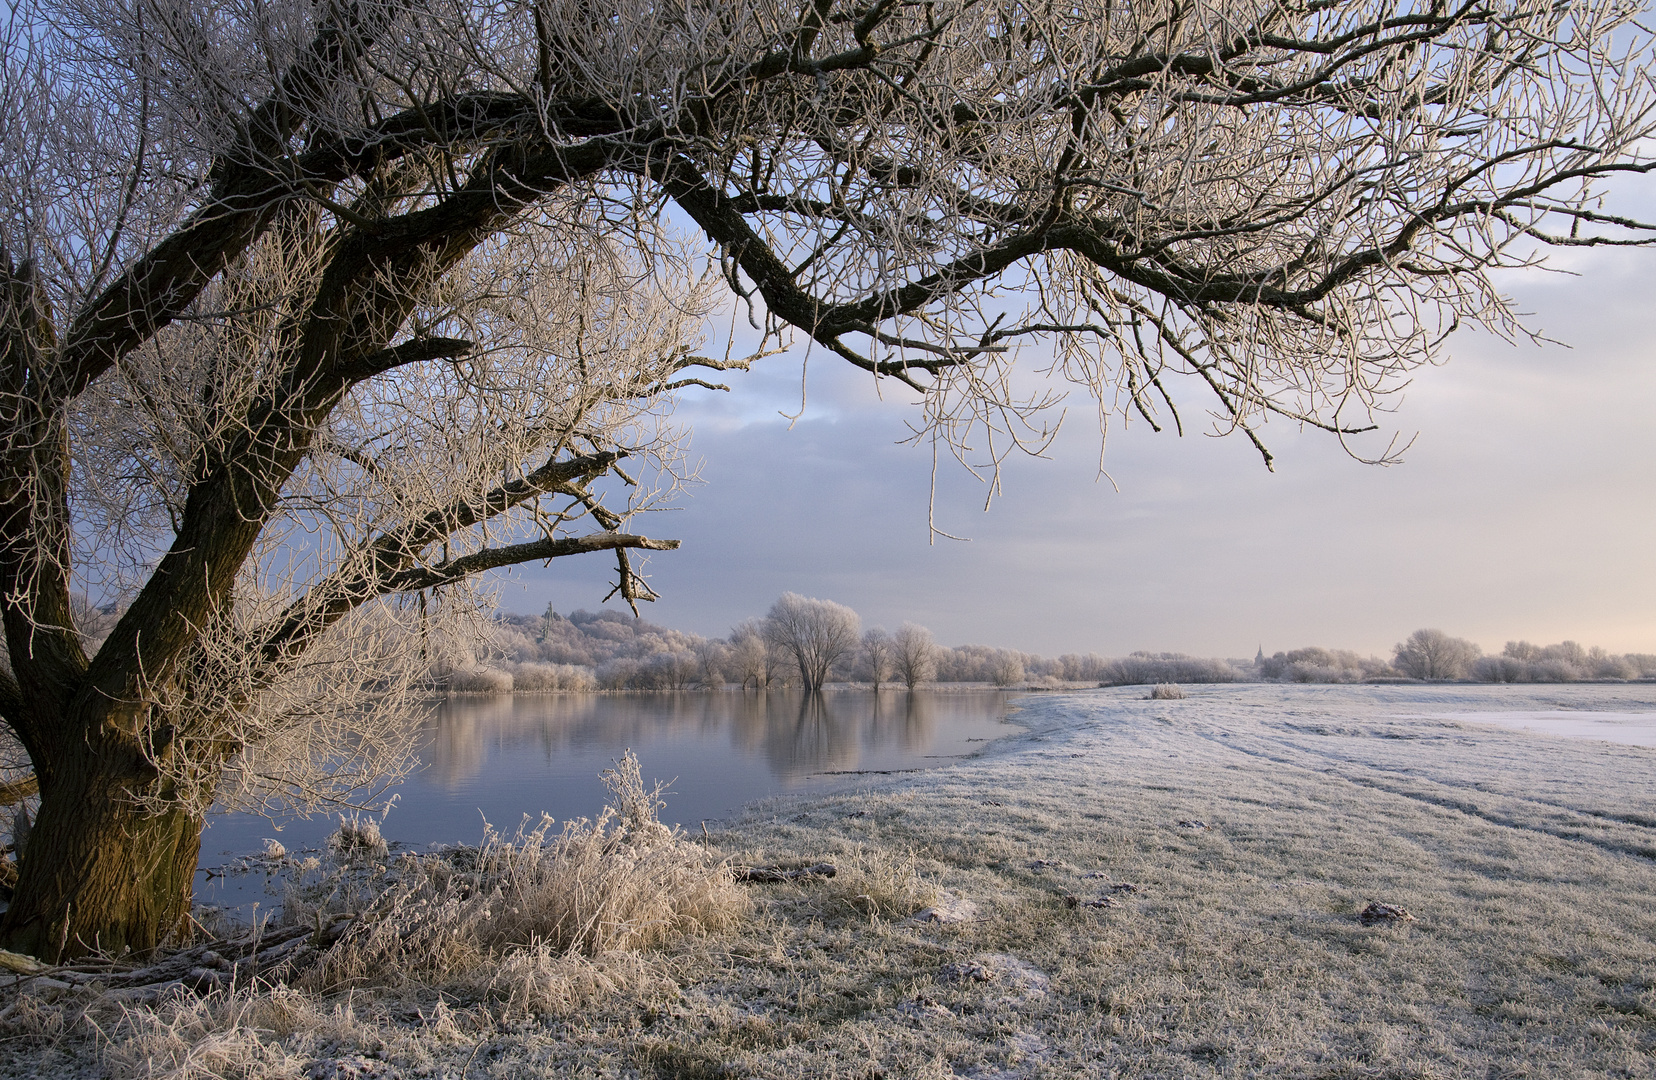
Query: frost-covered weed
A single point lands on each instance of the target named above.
(622, 882)
(883, 884)
(237, 1035)
(357, 838)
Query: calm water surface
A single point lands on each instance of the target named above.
(501, 758)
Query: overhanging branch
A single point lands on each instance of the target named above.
(546, 549)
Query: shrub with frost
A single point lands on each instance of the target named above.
(1432, 654)
(1146, 668)
(547, 678)
(1318, 665)
(479, 680)
(624, 881)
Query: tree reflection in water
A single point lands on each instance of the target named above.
(503, 757)
(820, 741)
(744, 743)
(901, 719)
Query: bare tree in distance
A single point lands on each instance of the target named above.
(311, 312)
(1008, 670)
(879, 653)
(817, 634)
(712, 663)
(758, 661)
(916, 655)
(1432, 654)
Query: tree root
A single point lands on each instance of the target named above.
(777, 873)
(269, 956)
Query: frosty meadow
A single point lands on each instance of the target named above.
(1134, 888)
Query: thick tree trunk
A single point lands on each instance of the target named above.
(100, 873)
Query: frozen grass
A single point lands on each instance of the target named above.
(501, 914)
(1167, 692)
(356, 838)
(1132, 889)
(881, 883)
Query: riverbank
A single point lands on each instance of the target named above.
(1130, 888)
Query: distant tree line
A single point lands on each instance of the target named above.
(800, 643)
(1434, 655)
(805, 643)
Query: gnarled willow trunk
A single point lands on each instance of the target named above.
(101, 873)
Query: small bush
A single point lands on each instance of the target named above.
(1503, 669)
(479, 680)
(549, 678)
(355, 839)
(1167, 692)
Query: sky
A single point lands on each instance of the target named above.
(1525, 509)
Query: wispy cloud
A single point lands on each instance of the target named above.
(1525, 509)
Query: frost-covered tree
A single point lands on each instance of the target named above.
(916, 655)
(877, 655)
(816, 634)
(1008, 669)
(1432, 654)
(311, 309)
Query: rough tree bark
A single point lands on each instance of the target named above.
(106, 873)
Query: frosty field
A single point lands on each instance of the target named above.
(1133, 888)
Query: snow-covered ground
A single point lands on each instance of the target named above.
(1130, 888)
(1256, 824)
(1634, 728)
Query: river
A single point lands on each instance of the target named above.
(500, 758)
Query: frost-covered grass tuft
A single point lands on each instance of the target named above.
(882, 884)
(1167, 692)
(241, 1035)
(356, 838)
(622, 882)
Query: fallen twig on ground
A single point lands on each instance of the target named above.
(777, 873)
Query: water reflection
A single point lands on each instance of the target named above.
(909, 725)
(501, 758)
(817, 741)
(797, 735)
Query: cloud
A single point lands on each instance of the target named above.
(1524, 510)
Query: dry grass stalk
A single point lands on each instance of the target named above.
(222, 1035)
(884, 884)
(622, 882)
